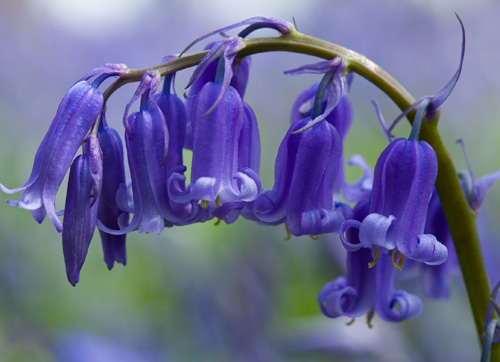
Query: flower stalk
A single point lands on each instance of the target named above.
(460, 217)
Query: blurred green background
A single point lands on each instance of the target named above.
(230, 292)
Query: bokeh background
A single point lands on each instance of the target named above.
(232, 292)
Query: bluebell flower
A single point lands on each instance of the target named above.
(215, 174)
(307, 165)
(75, 116)
(174, 112)
(248, 159)
(82, 201)
(404, 179)
(113, 178)
(367, 290)
(147, 141)
(341, 118)
(305, 171)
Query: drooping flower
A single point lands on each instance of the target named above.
(215, 174)
(113, 178)
(75, 116)
(82, 201)
(176, 120)
(305, 171)
(307, 165)
(341, 118)
(404, 179)
(147, 142)
(248, 158)
(367, 290)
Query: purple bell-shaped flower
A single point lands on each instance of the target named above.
(215, 174)
(75, 116)
(368, 289)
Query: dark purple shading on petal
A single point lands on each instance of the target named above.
(109, 212)
(75, 116)
(82, 200)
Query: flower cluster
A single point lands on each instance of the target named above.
(386, 216)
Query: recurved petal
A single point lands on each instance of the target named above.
(427, 249)
(375, 230)
(336, 298)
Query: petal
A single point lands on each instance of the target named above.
(321, 67)
(75, 116)
(303, 105)
(113, 178)
(81, 207)
(249, 141)
(335, 297)
(314, 174)
(427, 249)
(229, 211)
(376, 230)
(360, 189)
(393, 305)
(481, 188)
